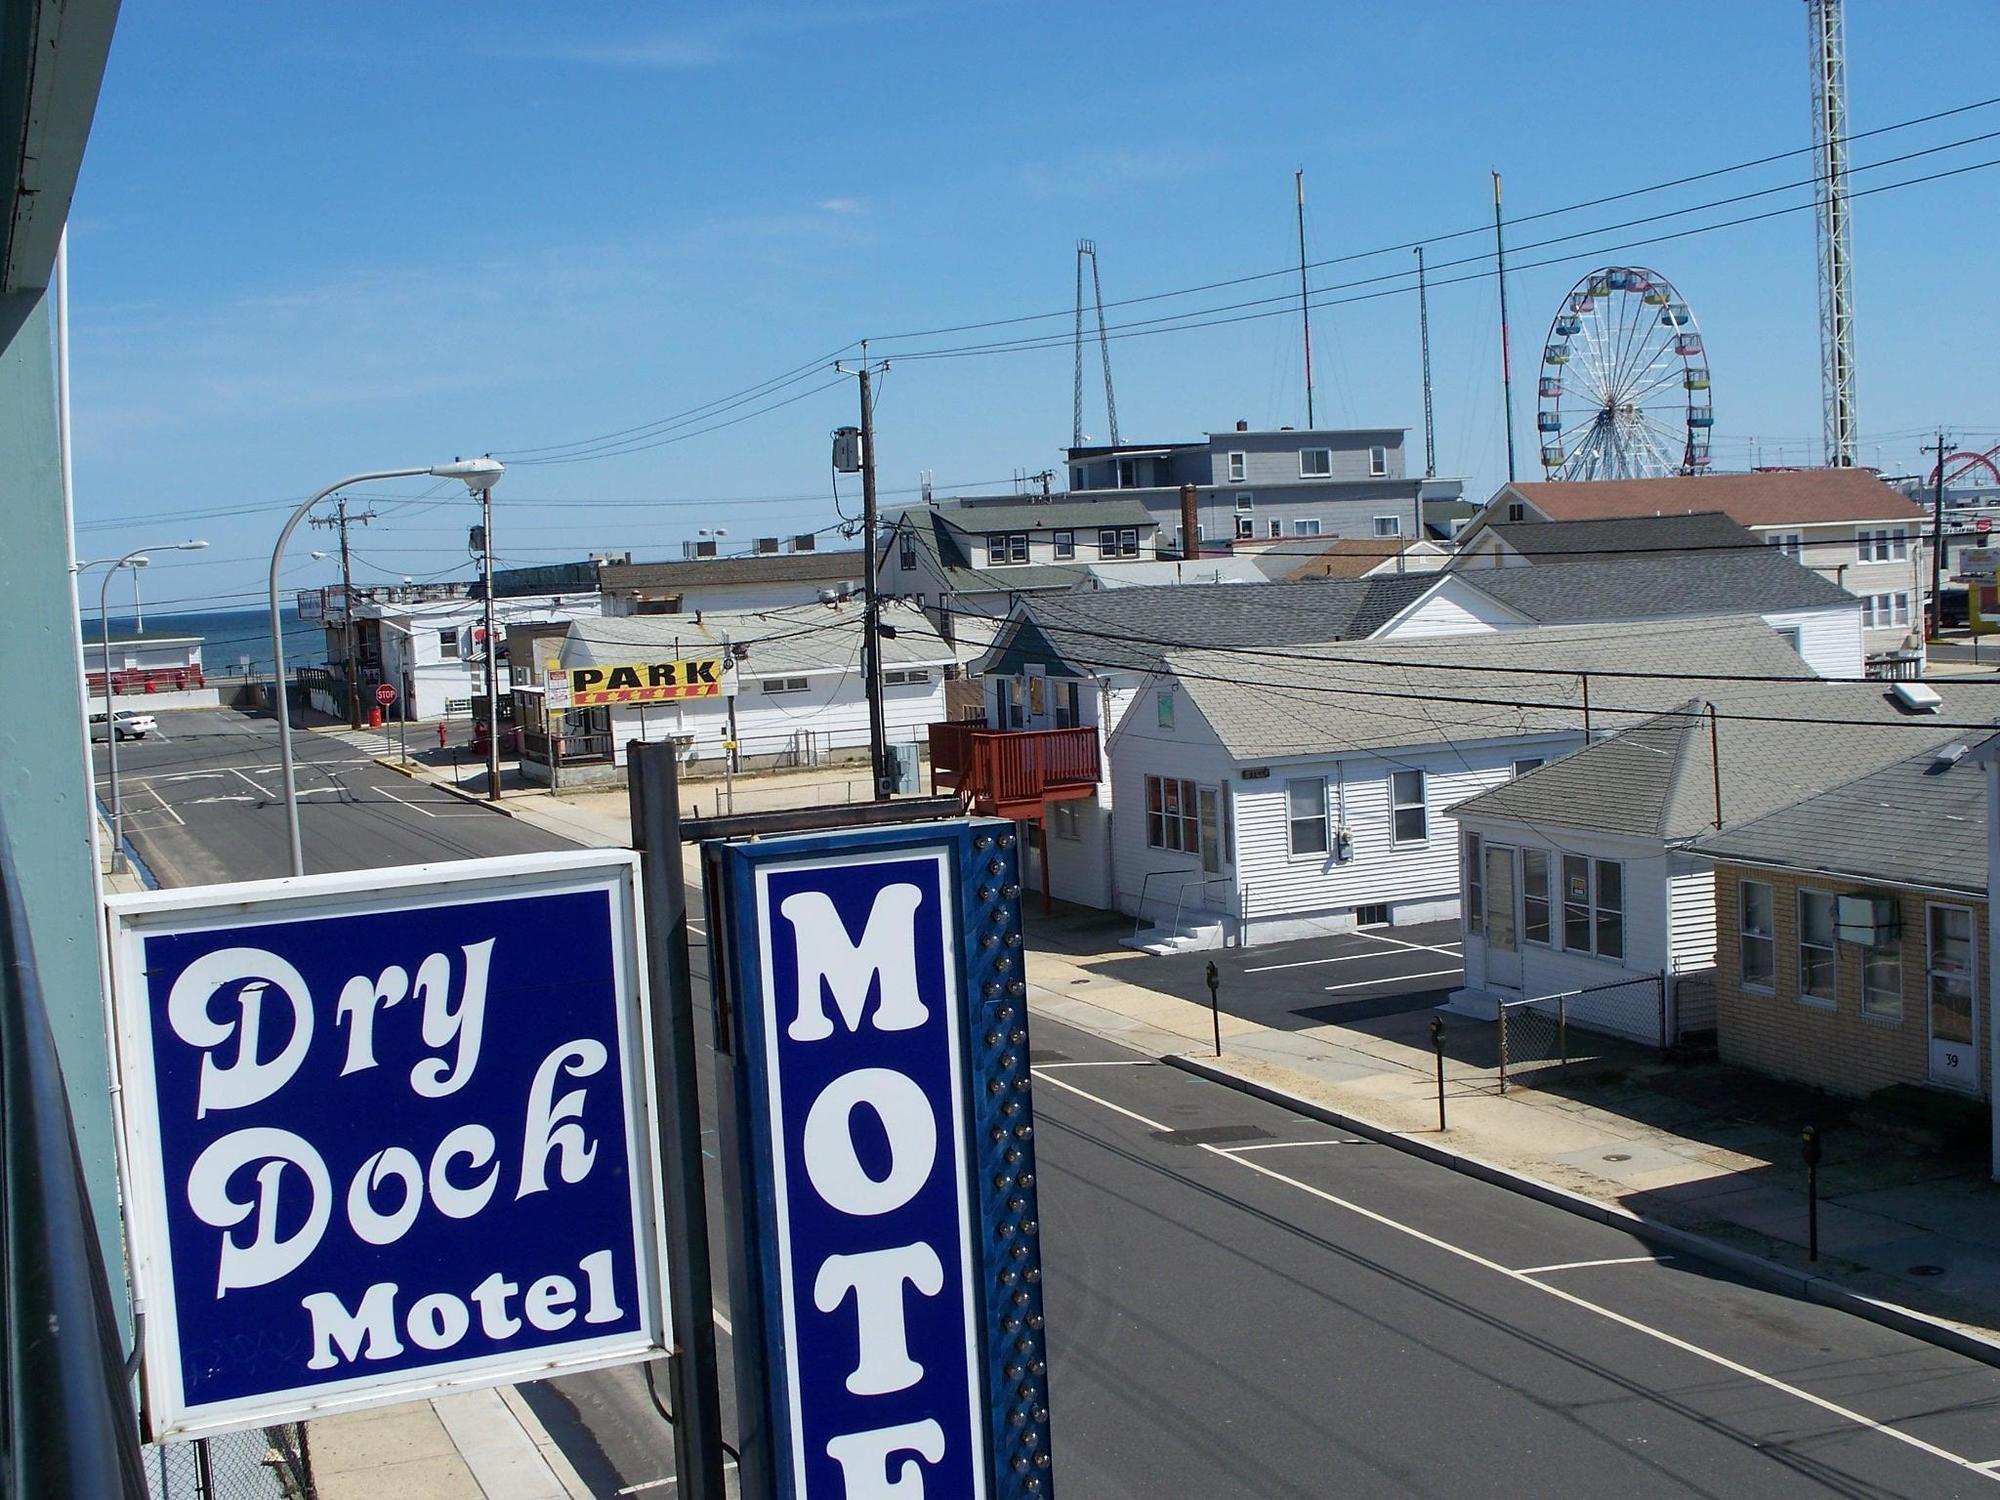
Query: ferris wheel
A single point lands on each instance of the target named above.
(1624, 387)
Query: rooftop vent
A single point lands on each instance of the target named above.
(1950, 755)
(766, 545)
(697, 549)
(1915, 697)
(806, 542)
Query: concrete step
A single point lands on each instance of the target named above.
(1191, 937)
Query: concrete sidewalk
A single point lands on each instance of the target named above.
(478, 1445)
(1698, 1148)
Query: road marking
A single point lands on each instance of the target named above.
(660, 1484)
(193, 776)
(225, 797)
(1449, 949)
(1368, 984)
(1130, 1114)
(1311, 963)
(166, 807)
(722, 1321)
(1136, 1062)
(1847, 1414)
(1579, 1265)
(1288, 1145)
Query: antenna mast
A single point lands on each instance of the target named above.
(1826, 19)
(1506, 357)
(1089, 248)
(1305, 306)
(1424, 339)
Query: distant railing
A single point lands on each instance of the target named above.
(67, 1429)
(1012, 766)
(130, 681)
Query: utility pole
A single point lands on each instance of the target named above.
(1506, 357)
(871, 642)
(1424, 340)
(1305, 303)
(492, 648)
(349, 650)
(1937, 541)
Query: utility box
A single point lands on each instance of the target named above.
(903, 768)
(847, 450)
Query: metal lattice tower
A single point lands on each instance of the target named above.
(1089, 248)
(1827, 23)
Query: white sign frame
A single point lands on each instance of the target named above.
(130, 919)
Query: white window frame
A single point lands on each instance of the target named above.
(1306, 472)
(1246, 528)
(1532, 896)
(1378, 461)
(1163, 708)
(1305, 526)
(1766, 938)
(1176, 829)
(1294, 820)
(771, 687)
(1469, 859)
(906, 552)
(1830, 948)
(1063, 821)
(1064, 544)
(1395, 527)
(1787, 542)
(448, 645)
(1970, 974)
(1527, 763)
(905, 677)
(1277, 528)
(1245, 502)
(1239, 466)
(1399, 804)
(1602, 909)
(1883, 544)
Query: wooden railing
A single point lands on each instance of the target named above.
(136, 680)
(1001, 769)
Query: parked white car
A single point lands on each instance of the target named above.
(131, 725)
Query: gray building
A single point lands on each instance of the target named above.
(1254, 488)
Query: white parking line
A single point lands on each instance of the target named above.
(1371, 984)
(1522, 1278)
(1285, 1145)
(166, 807)
(1313, 963)
(1450, 949)
(193, 776)
(1136, 1062)
(1581, 1265)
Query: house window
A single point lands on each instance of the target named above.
(1245, 502)
(1066, 696)
(1576, 902)
(905, 677)
(1882, 611)
(1306, 526)
(1517, 510)
(1008, 548)
(1171, 819)
(1163, 705)
(1277, 527)
(906, 553)
(1406, 794)
(1882, 978)
(1113, 541)
(1065, 544)
(1305, 803)
(1756, 922)
(1063, 821)
(448, 644)
(1610, 908)
(775, 685)
(1128, 474)
(1246, 527)
(1013, 704)
(1378, 461)
(1475, 889)
(1388, 526)
(1239, 467)
(1535, 895)
(1526, 764)
(1819, 961)
(1786, 542)
(1315, 463)
(1950, 980)
(1884, 545)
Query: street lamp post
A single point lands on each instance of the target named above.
(478, 474)
(134, 559)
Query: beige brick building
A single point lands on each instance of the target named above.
(1850, 933)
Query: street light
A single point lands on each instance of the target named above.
(132, 559)
(478, 475)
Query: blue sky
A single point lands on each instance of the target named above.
(315, 239)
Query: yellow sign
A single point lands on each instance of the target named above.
(645, 682)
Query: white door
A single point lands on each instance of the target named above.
(1500, 919)
(1953, 947)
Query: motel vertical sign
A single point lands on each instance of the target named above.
(876, 1109)
(386, 1133)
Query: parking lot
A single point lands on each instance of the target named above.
(1338, 978)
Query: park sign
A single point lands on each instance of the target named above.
(876, 1110)
(646, 682)
(386, 1133)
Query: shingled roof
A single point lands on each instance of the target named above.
(1783, 497)
(1920, 821)
(1657, 588)
(1776, 743)
(1610, 538)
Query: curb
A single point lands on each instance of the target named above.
(445, 786)
(1757, 1268)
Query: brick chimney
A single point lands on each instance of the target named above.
(1190, 522)
(1241, 425)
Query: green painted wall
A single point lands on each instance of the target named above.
(44, 798)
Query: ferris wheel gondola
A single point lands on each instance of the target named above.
(1624, 390)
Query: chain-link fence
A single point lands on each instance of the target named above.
(1548, 1033)
(266, 1463)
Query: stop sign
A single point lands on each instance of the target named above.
(1983, 524)
(385, 695)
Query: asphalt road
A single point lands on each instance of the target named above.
(1242, 1302)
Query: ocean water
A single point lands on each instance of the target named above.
(227, 636)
